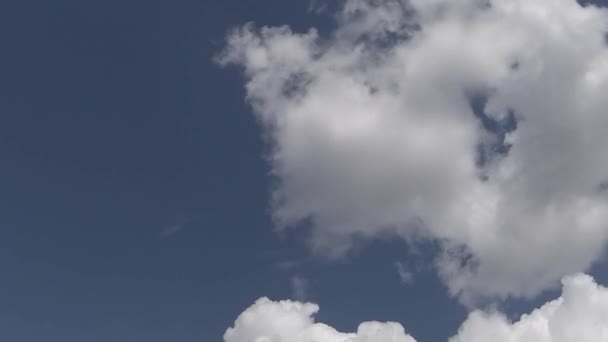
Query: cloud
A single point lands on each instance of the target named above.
(578, 315)
(477, 124)
(316, 6)
(406, 277)
(171, 230)
(287, 321)
(299, 287)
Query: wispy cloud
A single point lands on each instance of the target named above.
(317, 6)
(299, 288)
(406, 276)
(171, 230)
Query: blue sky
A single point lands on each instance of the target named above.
(116, 126)
(134, 193)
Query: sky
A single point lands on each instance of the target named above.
(169, 165)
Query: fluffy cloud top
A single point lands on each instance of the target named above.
(580, 314)
(373, 132)
(287, 321)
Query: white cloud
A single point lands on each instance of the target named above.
(372, 133)
(287, 321)
(580, 314)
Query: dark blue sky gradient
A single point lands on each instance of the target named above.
(133, 192)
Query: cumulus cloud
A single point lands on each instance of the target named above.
(580, 314)
(477, 124)
(287, 321)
